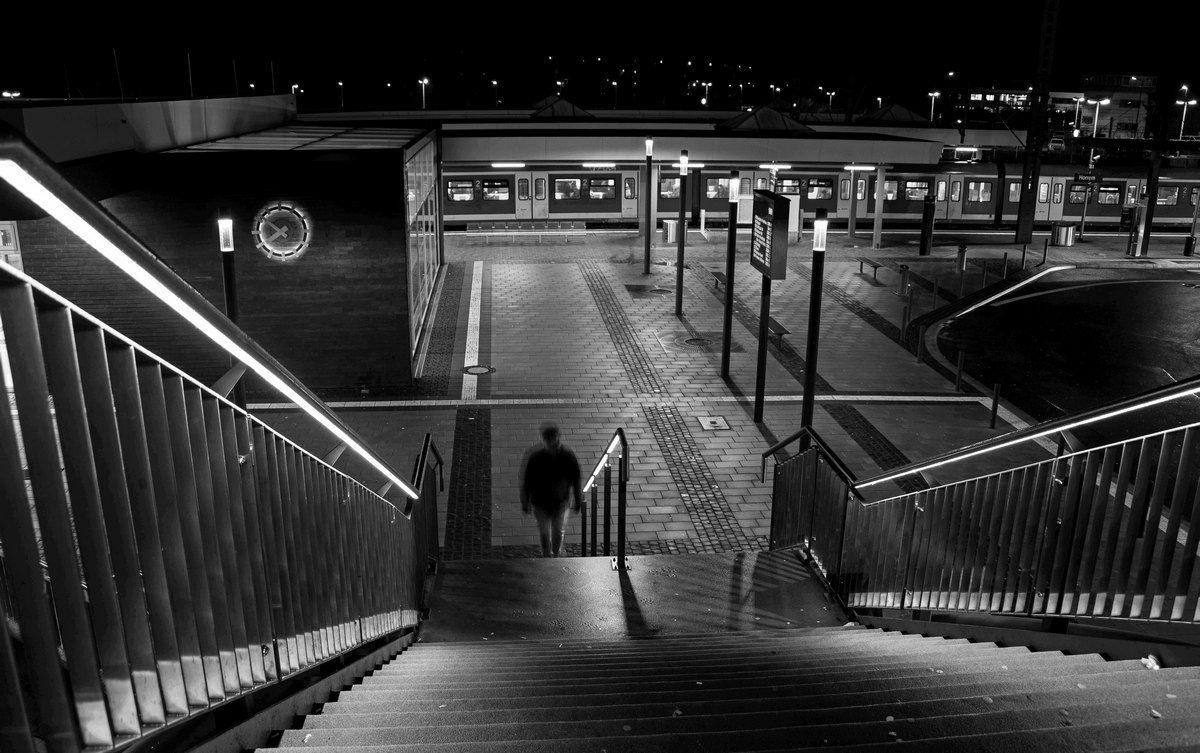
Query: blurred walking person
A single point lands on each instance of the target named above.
(550, 477)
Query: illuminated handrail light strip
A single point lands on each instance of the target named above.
(1009, 291)
(514, 165)
(600, 164)
(612, 446)
(40, 195)
(954, 458)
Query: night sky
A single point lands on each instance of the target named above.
(898, 54)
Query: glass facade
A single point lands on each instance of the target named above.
(424, 240)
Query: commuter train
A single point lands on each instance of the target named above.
(964, 194)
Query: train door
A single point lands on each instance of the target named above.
(539, 201)
(941, 197)
(629, 195)
(1041, 212)
(1058, 189)
(954, 199)
(524, 201)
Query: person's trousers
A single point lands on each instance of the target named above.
(552, 527)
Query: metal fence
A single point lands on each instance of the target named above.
(1106, 532)
(162, 550)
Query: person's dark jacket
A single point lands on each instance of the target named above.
(549, 478)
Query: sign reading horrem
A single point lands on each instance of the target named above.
(768, 238)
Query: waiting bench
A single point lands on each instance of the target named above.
(777, 329)
(874, 265)
(538, 229)
(718, 280)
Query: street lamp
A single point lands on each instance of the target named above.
(681, 231)
(616, 91)
(496, 91)
(1078, 102)
(1095, 125)
(648, 195)
(294, 88)
(932, 99)
(342, 94)
(879, 102)
(229, 283)
(820, 230)
(706, 85)
(423, 82)
(1185, 103)
(831, 100)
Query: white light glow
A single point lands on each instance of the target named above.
(511, 165)
(649, 146)
(774, 167)
(690, 165)
(225, 234)
(600, 164)
(37, 193)
(820, 230)
(735, 186)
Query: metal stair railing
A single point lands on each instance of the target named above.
(1108, 532)
(163, 552)
(618, 442)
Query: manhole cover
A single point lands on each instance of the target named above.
(698, 342)
(692, 342)
(648, 291)
(712, 423)
(478, 370)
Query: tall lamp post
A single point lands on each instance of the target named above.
(229, 281)
(1087, 193)
(831, 100)
(932, 99)
(1078, 102)
(616, 92)
(1185, 103)
(681, 232)
(648, 191)
(820, 230)
(342, 95)
(730, 253)
(423, 82)
(496, 91)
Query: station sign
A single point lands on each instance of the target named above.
(1087, 177)
(768, 238)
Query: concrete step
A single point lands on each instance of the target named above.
(415, 699)
(726, 667)
(1144, 687)
(656, 705)
(747, 732)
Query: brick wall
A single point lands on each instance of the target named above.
(336, 317)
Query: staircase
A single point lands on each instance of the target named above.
(769, 684)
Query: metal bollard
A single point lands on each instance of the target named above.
(1045, 251)
(903, 278)
(958, 374)
(995, 403)
(921, 343)
(1024, 250)
(983, 273)
(907, 312)
(1004, 272)
(937, 287)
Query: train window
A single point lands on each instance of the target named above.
(760, 184)
(862, 189)
(523, 189)
(539, 189)
(890, 188)
(566, 188)
(941, 190)
(1168, 196)
(820, 188)
(460, 190)
(844, 189)
(602, 188)
(1194, 195)
(630, 188)
(1131, 193)
(956, 190)
(668, 188)
(1108, 195)
(717, 188)
(1079, 192)
(916, 190)
(495, 190)
(1014, 191)
(1058, 193)
(1043, 192)
(979, 191)
(787, 185)
(745, 189)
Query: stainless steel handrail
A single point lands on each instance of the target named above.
(834, 461)
(18, 156)
(1146, 399)
(618, 438)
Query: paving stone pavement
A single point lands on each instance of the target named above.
(579, 334)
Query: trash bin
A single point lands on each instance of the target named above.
(1064, 235)
(670, 231)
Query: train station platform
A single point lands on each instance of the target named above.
(579, 334)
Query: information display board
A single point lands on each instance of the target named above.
(768, 238)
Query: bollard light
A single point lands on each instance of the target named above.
(683, 162)
(225, 230)
(735, 185)
(820, 229)
(649, 146)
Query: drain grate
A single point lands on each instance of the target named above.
(712, 423)
(692, 342)
(648, 291)
(479, 370)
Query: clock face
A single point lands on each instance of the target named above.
(282, 231)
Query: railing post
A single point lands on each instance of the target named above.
(583, 532)
(607, 507)
(595, 512)
(621, 515)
